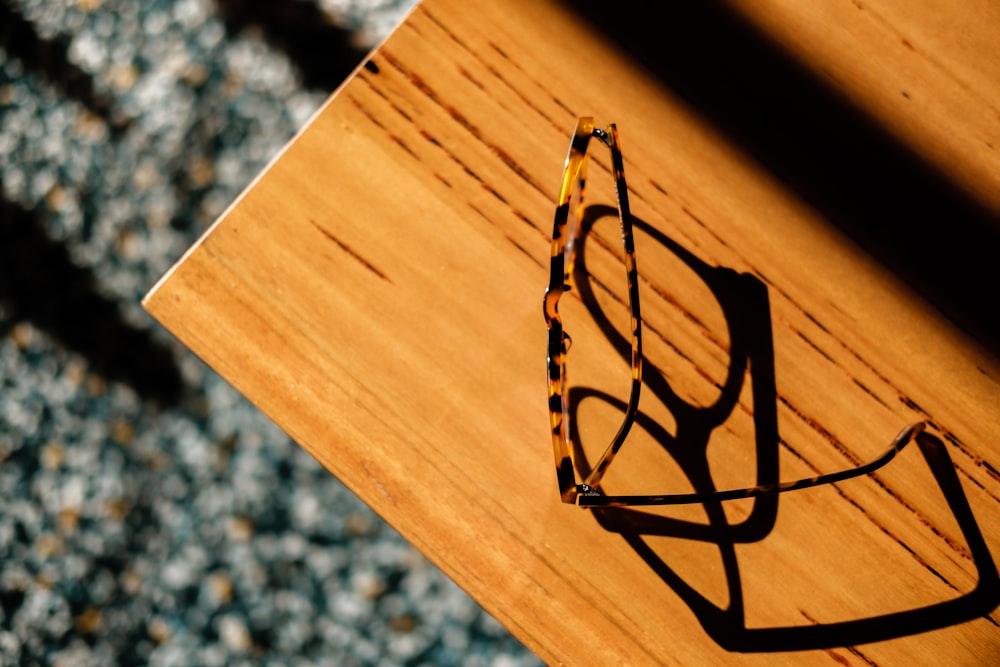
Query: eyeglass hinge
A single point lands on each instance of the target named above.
(603, 136)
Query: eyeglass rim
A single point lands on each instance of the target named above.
(560, 282)
(588, 493)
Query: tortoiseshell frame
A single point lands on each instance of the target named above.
(588, 493)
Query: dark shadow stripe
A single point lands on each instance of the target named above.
(321, 51)
(49, 59)
(39, 283)
(907, 213)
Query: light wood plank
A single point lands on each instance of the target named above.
(377, 292)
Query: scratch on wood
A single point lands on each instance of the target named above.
(985, 373)
(871, 393)
(812, 318)
(378, 484)
(402, 144)
(350, 251)
(659, 188)
(978, 461)
(371, 117)
(911, 404)
(531, 223)
(820, 430)
(834, 655)
(475, 82)
(701, 223)
(368, 114)
(517, 245)
(436, 21)
(503, 54)
(816, 347)
(994, 473)
(395, 107)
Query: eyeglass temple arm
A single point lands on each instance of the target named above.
(610, 138)
(590, 496)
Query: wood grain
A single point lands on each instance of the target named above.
(926, 71)
(377, 292)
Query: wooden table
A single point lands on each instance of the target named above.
(378, 293)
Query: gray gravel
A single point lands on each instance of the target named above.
(150, 514)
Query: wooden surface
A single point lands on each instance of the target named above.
(927, 71)
(377, 292)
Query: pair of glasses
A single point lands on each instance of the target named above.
(569, 220)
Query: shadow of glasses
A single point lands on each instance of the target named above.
(746, 312)
(746, 318)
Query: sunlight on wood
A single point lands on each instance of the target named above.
(378, 293)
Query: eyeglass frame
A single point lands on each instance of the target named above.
(587, 493)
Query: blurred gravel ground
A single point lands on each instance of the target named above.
(151, 515)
